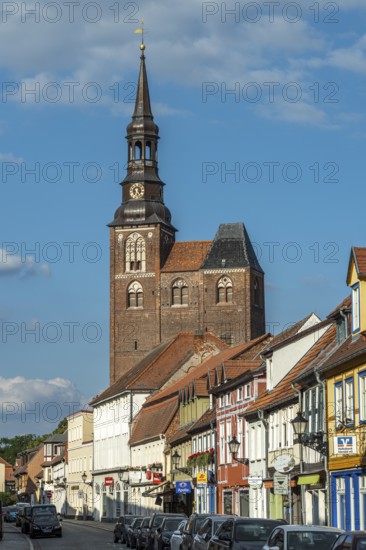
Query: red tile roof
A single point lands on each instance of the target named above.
(270, 399)
(180, 435)
(201, 370)
(152, 422)
(346, 303)
(204, 422)
(156, 369)
(351, 348)
(359, 255)
(187, 256)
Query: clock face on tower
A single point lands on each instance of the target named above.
(137, 191)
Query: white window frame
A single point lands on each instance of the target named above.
(362, 395)
(356, 307)
(349, 401)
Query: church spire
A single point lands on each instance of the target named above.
(142, 189)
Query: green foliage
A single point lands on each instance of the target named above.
(7, 499)
(11, 446)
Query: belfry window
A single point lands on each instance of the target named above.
(148, 150)
(180, 293)
(135, 295)
(138, 150)
(135, 253)
(224, 290)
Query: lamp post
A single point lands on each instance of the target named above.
(313, 440)
(234, 448)
(84, 477)
(175, 460)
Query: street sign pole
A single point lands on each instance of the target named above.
(290, 499)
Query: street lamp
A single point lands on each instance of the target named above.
(175, 460)
(313, 440)
(234, 448)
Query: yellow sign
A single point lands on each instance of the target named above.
(202, 477)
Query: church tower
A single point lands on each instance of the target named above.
(141, 237)
(160, 288)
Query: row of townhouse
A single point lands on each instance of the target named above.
(294, 406)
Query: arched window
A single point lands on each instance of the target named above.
(138, 150)
(180, 293)
(135, 253)
(148, 150)
(135, 295)
(224, 290)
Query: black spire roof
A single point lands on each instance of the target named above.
(231, 248)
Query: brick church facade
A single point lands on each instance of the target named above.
(160, 287)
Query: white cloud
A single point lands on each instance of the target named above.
(36, 405)
(10, 157)
(12, 263)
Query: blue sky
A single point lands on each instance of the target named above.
(261, 113)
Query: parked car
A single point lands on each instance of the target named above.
(155, 522)
(207, 530)
(25, 518)
(44, 522)
(132, 532)
(164, 533)
(19, 510)
(240, 533)
(141, 536)
(9, 514)
(177, 536)
(302, 537)
(120, 529)
(350, 540)
(194, 523)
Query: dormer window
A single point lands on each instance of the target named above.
(356, 307)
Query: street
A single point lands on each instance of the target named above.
(80, 535)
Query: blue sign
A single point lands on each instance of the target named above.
(183, 487)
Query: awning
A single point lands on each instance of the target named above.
(153, 492)
(308, 480)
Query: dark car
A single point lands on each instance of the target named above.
(207, 530)
(194, 523)
(132, 532)
(30, 511)
(25, 518)
(120, 529)
(141, 536)
(352, 540)
(164, 533)
(243, 533)
(44, 523)
(20, 510)
(155, 521)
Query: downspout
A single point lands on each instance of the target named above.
(265, 471)
(301, 456)
(216, 496)
(327, 484)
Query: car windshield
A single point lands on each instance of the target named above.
(137, 522)
(253, 531)
(129, 520)
(198, 524)
(216, 524)
(361, 543)
(308, 540)
(171, 524)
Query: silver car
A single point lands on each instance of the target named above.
(302, 537)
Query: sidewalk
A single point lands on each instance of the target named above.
(13, 539)
(105, 526)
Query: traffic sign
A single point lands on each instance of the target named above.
(280, 483)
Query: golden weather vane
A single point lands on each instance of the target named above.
(141, 31)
